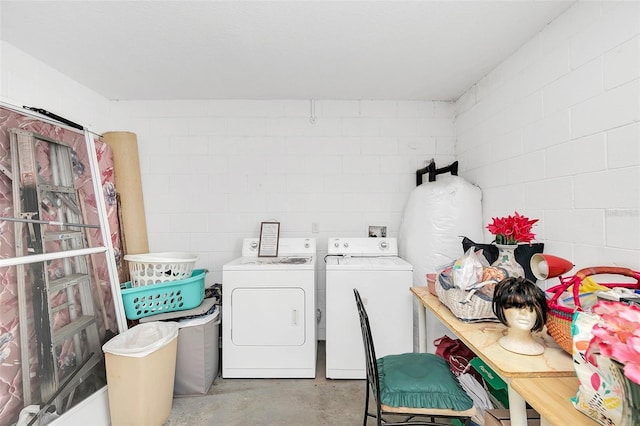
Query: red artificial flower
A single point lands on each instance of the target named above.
(512, 229)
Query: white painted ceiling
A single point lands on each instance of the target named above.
(432, 50)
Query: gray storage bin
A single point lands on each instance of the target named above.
(197, 358)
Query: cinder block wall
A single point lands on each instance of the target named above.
(554, 133)
(213, 170)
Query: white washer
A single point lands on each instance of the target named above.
(383, 279)
(268, 312)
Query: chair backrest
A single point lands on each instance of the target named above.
(369, 351)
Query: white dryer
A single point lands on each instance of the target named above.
(268, 312)
(383, 279)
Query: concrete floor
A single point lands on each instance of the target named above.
(318, 401)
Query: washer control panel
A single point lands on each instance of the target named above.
(362, 247)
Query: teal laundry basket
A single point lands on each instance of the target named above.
(179, 295)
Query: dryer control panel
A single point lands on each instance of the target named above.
(286, 247)
(363, 247)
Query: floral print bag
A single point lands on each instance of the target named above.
(600, 393)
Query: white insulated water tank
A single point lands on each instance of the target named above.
(436, 217)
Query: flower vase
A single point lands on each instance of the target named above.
(507, 260)
(631, 401)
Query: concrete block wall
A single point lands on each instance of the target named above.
(213, 170)
(554, 133)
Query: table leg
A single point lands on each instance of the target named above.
(422, 328)
(517, 408)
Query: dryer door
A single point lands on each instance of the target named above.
(268, 316)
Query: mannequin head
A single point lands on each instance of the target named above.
(519, 303)
(521, 306)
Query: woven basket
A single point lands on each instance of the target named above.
(559, 327)
(559, 317)
(467, 306)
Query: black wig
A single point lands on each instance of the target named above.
(518, 292)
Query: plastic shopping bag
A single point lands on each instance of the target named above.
(467, 270)
(142, 339)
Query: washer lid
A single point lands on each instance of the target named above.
(383, 263)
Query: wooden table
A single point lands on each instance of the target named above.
(482, 338)
(549, 396)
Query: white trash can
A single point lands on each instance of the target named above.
(197, 359)
(140, 365)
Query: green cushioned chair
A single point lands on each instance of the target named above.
(414, 388)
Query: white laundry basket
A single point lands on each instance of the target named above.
(154, 268)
